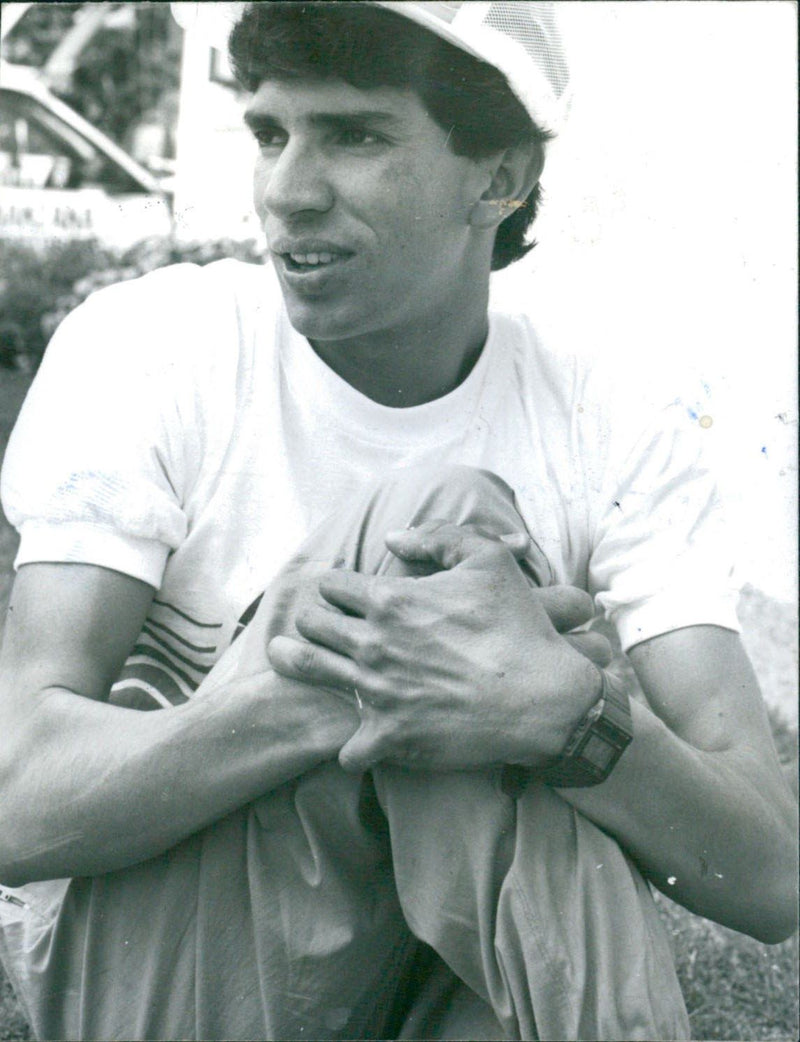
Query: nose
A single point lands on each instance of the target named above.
(292, 182)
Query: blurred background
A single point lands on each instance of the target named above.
(668, 237)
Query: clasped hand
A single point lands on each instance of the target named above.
(463, 668)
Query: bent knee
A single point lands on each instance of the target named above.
(454, 493)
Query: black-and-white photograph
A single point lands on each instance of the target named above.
(398, 543)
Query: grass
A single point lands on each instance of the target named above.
(735, 988)
(13, 1024)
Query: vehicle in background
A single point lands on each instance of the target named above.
(64, 179)
(61, 178)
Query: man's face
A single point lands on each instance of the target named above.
(365, 209)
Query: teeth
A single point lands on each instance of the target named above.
(314, 258)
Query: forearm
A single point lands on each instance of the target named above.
(89, 788)
(713, 829)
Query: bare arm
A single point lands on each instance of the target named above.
(89, 787)
(699, 798)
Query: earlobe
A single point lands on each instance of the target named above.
(514, 178)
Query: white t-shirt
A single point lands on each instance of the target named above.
(182, 432)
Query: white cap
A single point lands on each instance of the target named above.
(520, 38)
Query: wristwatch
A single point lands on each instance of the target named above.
(597, 742)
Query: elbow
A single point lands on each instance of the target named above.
(13, 877)
(12, 872)
(18, 818)
(773, 916)
(772, 908)
(9, 826)
(13, 829)
(756, 894)
(25, 856)
(778, 919)
(768, 915)
(774, 929)
(776, 934)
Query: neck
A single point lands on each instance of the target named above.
(414, 364)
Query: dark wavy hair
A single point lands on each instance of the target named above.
(368, 46)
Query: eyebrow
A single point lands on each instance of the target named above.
(326, 120)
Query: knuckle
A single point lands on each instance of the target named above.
(370, 652)
(305, 619)
(378, 689)
(387, 601)
(305, 659)
(328, 583)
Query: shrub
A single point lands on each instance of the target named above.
(39, 288)
(32, 283)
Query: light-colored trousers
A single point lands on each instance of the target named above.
(301, 914)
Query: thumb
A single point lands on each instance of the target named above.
(441, 543)
(362, 751)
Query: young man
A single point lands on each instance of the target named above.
(334, 515)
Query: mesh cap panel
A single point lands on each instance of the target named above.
(534, 27)
(519, 38)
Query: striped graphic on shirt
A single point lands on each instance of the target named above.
(246, 617)
(173, 654)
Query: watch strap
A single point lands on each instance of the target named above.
(597, 743)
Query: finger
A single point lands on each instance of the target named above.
(346, 590)
(517, 542)
(363, 750)
(445, 544)
(567, 606)
(332, 629)
(312, 664)
(593, 645)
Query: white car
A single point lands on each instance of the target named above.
(61, 178)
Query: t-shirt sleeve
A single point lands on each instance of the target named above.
(662, 554)
(93, 472)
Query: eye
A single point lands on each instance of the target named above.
(352, 137)
(268, 137)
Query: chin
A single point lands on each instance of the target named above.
(316, 321)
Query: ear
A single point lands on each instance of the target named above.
(514, 174)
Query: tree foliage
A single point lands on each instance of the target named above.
(127, 72)
(34, 38)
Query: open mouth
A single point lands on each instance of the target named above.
(303, 262)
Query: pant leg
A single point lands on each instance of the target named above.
(534, 907)
(508, 892)
(282, 920)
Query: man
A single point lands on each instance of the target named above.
(235, 457)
